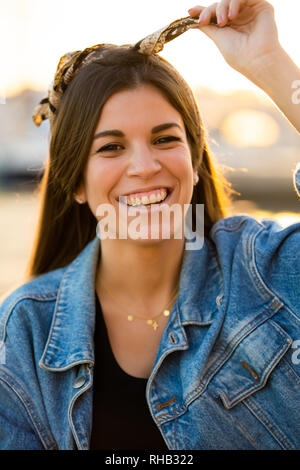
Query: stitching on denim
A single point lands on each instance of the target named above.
(258, 283)
(270, 360)
(160, 406)
(175, 433)
(165, 391)
(220, 359)
(46, 350)
(170, 417)
(165, 353)
(192, 322)
(277, 352)
(232, 229)
(291, 316)
(25, 297)
(260, 385)
(244, 431)
(286, 365)
(88, 386)
(252, 371)
(47, 441)
(174, 398)
(279, 330)
(254, 273)
(259, 277)
(266, 421)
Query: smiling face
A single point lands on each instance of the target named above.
(140, 154)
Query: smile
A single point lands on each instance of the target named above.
(145, 198)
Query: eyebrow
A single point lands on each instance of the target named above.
(155, 130)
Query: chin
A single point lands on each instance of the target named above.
(157, 233)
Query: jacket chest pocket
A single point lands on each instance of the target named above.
(256, 383)
(251, 363)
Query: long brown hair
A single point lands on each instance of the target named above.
(64, 227)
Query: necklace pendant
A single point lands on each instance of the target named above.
(149, 322)
(155, 325)
(130, 317)
(166, 313)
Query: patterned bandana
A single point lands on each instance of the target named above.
(70, 63)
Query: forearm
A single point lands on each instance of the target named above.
(275, 74)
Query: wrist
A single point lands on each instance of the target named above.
(269, 70)
(275, 74)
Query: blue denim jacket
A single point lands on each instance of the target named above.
(235, 328)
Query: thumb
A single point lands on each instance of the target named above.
(213, 32)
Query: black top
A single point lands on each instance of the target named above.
(121, 417)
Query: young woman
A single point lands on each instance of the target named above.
(128, 342)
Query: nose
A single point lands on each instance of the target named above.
(143, 162)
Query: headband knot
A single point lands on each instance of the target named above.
(71, 62)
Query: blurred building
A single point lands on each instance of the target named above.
(256, 144)
(23, 146)
(248, 134)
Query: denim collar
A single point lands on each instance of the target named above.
(70, 340)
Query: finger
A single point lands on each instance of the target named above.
(196, 10)
(222, 12)
(207, 14)
(234, 8)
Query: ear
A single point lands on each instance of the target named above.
(80, 195)
(195, 177)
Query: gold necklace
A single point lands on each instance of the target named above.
(150, 321)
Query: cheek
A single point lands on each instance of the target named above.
(180, 164)
(100, 179)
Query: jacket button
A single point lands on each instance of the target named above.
(172, 337)
(219, 300)
(79, 382)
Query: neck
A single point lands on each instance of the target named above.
(146, 273)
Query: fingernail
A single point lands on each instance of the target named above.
(230, 13)
(201, 17)
(220, 19)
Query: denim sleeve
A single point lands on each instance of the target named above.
(277, 257)
(20, 417)
(16, 430)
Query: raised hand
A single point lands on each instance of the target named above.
(250, 33)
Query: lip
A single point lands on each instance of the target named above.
(145, 190)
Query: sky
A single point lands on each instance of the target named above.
(35, 33)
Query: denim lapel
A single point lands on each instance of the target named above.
(201, 285)
(71, 339)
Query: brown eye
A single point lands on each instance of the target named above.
(110, 148)
(164, 140)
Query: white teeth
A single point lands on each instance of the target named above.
(152, 198)
(132, 201)
(145, 200)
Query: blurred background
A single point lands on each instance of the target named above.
(256, 146)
